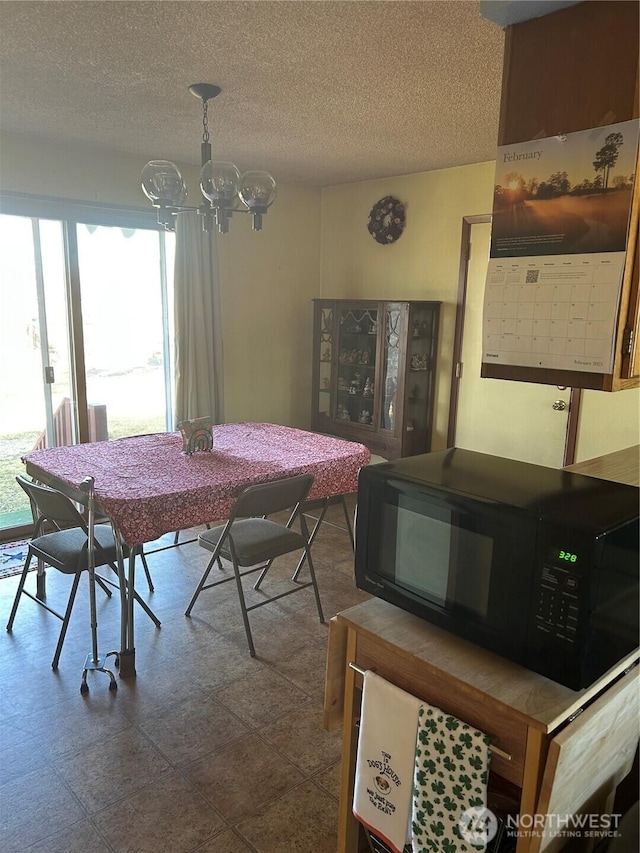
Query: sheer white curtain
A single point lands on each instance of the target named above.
(198, 326)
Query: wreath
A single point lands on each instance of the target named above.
(387, 220)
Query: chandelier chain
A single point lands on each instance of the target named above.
(205, 121)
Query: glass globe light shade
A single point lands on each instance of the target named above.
(257, 190)
(219, 183)
(163, 183)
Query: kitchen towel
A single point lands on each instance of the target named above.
(450, 790)
(383, 791)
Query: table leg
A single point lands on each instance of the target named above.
(127, 654)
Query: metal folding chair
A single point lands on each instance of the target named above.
(66, 549)
(251, 541)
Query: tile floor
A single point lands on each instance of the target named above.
(207, 749)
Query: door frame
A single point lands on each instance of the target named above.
(461, 300)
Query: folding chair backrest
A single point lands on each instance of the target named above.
(52, 505)
(267, 498)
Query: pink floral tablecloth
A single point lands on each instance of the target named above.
(148, 485)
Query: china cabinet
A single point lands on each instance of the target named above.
(374, 373)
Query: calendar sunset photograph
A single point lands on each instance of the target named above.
(566, 194)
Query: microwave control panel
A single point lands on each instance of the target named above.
(558, 604)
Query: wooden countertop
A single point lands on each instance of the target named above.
(536, 700)
(623, 466)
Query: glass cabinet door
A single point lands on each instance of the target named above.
(357, 344)
(324, 354)
(421, 336)
(374, 373)
(391, 379)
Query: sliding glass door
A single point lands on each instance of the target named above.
(85, 339)
(34, 351)
(124, 326)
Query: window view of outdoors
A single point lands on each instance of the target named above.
(125, 327)
(32, 307)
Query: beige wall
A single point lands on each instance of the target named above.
(267, 279)
(31, 166)
(423, 264)
(608, 422)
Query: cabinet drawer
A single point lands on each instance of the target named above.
(455, 698)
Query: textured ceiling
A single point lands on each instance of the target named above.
(315, 92)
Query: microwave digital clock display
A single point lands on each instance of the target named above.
(559, 555)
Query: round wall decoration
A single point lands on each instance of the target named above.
(387, 220)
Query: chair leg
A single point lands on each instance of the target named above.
(176, 538)
(348, 521)
(147, 609)
(16, 600)
(65, 621)
(243, 608)
(137, 598)
(263, 574)
(307, 552)
(146, 569)
(314, 533)
(203, 579)
(314, 583)
(103, 586)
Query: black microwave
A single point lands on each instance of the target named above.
(536, 564)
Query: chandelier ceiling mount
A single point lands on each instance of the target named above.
(224, 190)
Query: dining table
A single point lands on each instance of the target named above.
(148, 485)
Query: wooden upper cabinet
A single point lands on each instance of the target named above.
(568, 71)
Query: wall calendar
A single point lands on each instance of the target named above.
(558, 247)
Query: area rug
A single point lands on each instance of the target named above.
(12, 557)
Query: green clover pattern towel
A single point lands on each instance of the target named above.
(451, 772)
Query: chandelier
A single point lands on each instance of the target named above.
(224, 190)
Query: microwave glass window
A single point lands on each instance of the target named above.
(422, 554)
(436, 557)
(471, 558)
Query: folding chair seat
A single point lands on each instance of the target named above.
(65, 549)
(251, 541)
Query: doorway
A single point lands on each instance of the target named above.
(517, 420)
